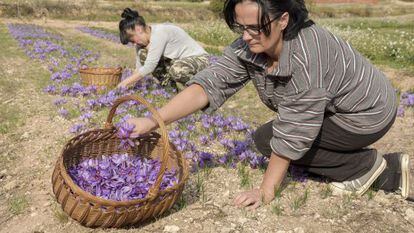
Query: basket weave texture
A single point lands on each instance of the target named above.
(93, 211)
(101, 77)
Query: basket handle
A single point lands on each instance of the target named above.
(119, 69)
(153, 191)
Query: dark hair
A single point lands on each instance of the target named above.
(271, 9)
(130, 19)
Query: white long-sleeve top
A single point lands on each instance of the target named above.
(169, 41)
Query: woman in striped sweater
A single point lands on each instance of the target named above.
(331, 101)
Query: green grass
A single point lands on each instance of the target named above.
(10, 114)
(214, 51)
(89, 10)
(73, 113)
(384, 42)
(16, 79)
(180, 204)
(347, 199)
(18, 204)
(32, 73)
(58, 213)
(175, 11)
(370, 23)
(370, 194)
(326, 192)
(277, 208)
(200, 186)
(10, 118)
(109, 56)
(7, 86)
(108, 30)
(244, 175)
(278, 192)
(360, 10)
(211, 41)
(299, 201)
(212, 32)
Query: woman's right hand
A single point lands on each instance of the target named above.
(127, 82)
(143, 125)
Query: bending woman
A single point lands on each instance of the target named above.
(165, 50)
(331, 102)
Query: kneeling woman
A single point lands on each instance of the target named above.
(165, 50)
(331, 101)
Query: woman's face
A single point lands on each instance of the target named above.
(139, 36)
(247, 15)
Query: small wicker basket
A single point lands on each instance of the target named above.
(101, 77)
(93, 211)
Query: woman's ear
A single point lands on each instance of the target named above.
(283, 21)
(138, 29)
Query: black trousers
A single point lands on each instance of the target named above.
(336, 153)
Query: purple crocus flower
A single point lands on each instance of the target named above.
(256, 161)
(206, 159)
(298, 173)
(91, 103)
(77, 128)
(223, 160)
(124, 133)
(410, 99)
(86, 116)
(59, 101)
(51, 89)
(203, 139)
(191, 127)
(65, 90)
(63, 113)
(400, 111)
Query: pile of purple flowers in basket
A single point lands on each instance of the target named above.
(120, 177)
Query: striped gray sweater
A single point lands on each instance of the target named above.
(319, 75)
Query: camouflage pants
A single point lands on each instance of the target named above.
(170, 71)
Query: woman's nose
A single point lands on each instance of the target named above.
(246, 36)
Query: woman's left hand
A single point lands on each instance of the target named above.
(253, 198)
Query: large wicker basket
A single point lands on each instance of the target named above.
(93, 211)
(101, 77)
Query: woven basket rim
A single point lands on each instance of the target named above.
(101, 70)
(107, 202)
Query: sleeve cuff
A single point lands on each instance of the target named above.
(212, 104)
(283, 149)
(144, 72)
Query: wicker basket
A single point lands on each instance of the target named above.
(93, 211)
(101, 77)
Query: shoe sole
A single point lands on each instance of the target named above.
(364, 187)
(405, 175)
